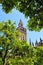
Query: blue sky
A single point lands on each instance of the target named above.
(16, 16)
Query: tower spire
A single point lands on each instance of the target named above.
(20, 23)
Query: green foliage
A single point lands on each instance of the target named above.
(34, 25)
(23, 54)
(7, 38)
(39, 55)
(0, 61)
(8, 6)
(31, 8)
(14, 51)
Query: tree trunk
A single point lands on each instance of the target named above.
(5, 63)
(3, 59)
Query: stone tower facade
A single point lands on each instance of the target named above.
(22, 31)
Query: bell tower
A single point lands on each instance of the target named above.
(22, 31)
